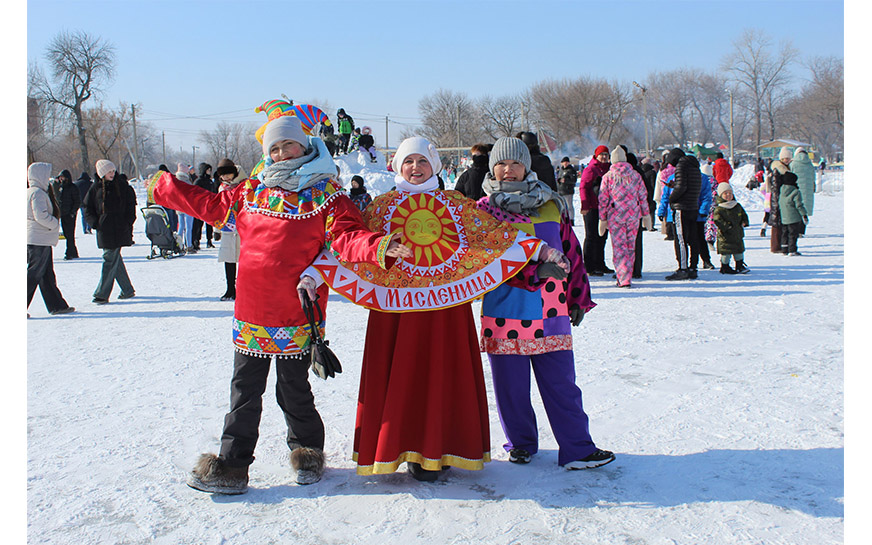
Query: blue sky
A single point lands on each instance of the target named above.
(220, 59)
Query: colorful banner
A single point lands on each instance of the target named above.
(459, 253)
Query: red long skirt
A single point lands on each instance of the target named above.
(422, 396)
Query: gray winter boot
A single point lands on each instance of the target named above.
(212, 474)
(308, 463)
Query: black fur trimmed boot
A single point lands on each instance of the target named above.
(308, 463)
(212, 474)
(726, 269)
(741, 268)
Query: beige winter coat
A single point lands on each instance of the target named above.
(42, 227)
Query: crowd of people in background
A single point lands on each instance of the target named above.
(273, 226)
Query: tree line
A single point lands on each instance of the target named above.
(680, 107)
(67, 122)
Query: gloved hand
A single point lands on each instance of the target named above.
(306, 285)
(547, 254)
(647, 223)
(603, 227)
(551, 270)
(805, 220)
(576, 314)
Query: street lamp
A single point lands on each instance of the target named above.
(645, 106)
(730, 91)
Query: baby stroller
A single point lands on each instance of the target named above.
(161, 235)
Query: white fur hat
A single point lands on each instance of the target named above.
(416, 144)
(706, 169)
(286, 127)
(799, 150)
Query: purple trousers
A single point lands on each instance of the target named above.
(555, 377)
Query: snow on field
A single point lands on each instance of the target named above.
(723, 399)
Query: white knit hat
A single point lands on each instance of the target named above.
(286, 127)
(416, 144)
(724, 186)
(706, 169)
(618, 155)
(785, 153)
(104, 166)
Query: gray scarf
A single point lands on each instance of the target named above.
(524, 197)
(282, 174)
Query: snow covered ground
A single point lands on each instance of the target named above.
(722, 397)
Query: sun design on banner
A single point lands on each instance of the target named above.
(432, 229)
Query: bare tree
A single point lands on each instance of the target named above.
(233, 140)
(79, 64)
(108, 130)
(449, 119)
(502, 116)
(764, 73)
(816, 114)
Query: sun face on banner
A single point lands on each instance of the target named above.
(430, 226)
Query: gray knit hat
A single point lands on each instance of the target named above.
(286, 127)
(508, 147)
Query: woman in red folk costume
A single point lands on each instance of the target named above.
(284, 217)
(422, 395)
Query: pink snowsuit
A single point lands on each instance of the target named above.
(623, 201)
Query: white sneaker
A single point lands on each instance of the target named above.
(597, 459)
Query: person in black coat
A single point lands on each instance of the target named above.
(69, 202)
(83, 184)
(204, 180)
(684, 202)
(469, 181)
(567, 179)
(110, 207)
(539, 163)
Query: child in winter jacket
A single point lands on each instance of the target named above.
(731, 220)
(793, 212)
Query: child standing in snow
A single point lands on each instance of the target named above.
(731, 220)
(284, 217)
(793, 212)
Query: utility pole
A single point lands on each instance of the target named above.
(163, 142)
(135, 142)
(387, 144)
(645, 106)
(731, 126)
(458, 134)
(194, 155)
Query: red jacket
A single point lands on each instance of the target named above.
(589, 184)
(280, 233)
(722, 170)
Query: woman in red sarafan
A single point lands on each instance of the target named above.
(422, 395)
